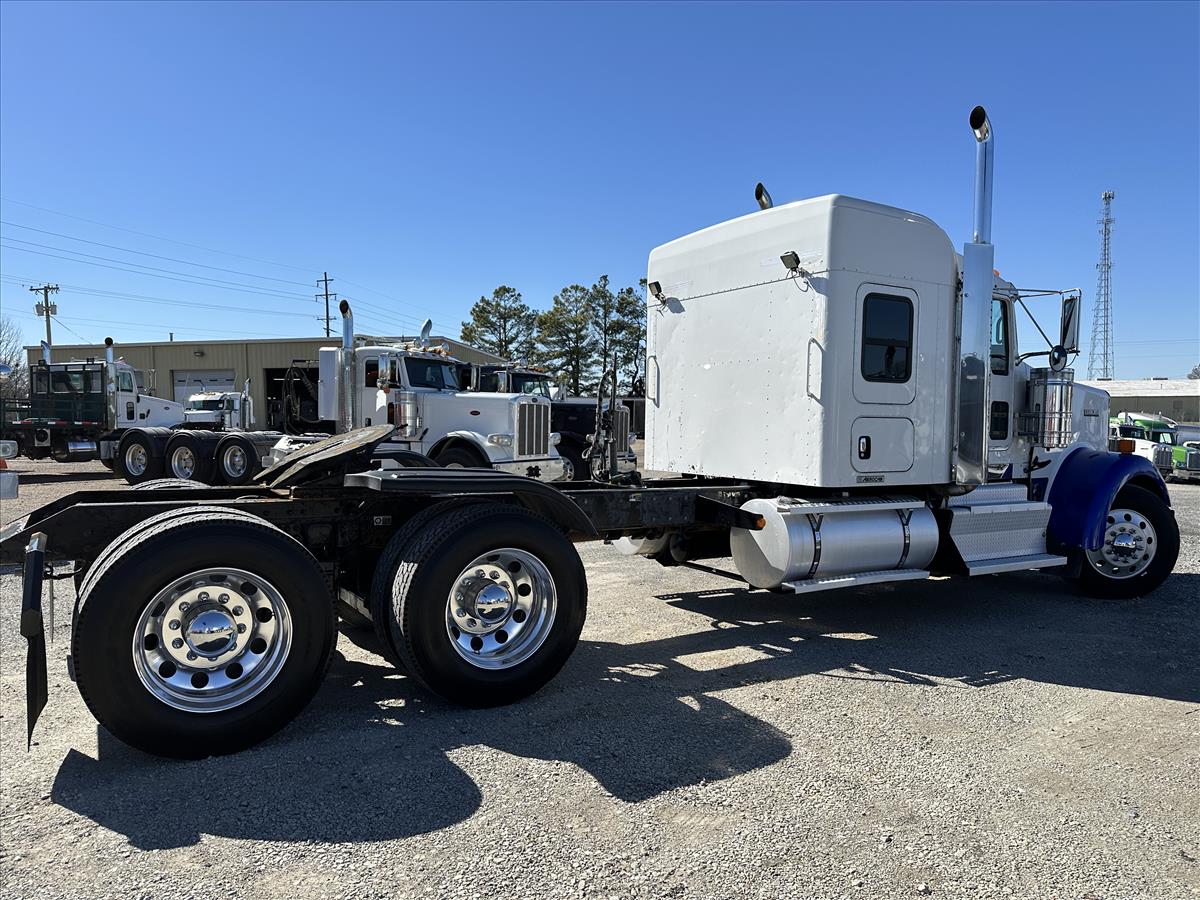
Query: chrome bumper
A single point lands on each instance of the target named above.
(545, 469)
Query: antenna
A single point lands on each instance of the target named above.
(1100, 355)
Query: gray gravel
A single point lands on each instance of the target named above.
(992, 738)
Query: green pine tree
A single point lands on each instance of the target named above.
(502, 324)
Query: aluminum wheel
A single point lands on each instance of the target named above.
(234, 461)
(568, 469)
(501, 609)
(212, 640)
(136, 460)
(1129, 545)
(183, 462)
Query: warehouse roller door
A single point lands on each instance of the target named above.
(190, 381)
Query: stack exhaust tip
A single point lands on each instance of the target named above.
(762, 196)
(108, 342)
(980, 124)
(344, 309)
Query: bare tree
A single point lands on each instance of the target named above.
(12, 353)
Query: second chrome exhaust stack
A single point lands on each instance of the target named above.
(347, 393)
(983, 175)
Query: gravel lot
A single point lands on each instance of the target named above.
(989, 738)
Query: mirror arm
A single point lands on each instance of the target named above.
(1049, 343)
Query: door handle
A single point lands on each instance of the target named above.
(864, 447)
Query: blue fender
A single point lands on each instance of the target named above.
(1083, 491)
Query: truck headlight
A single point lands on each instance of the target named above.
(555, 437)
(500, 440)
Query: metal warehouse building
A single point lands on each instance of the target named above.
(177, 369)
(1175, 398)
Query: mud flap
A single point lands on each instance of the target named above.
(33, 630)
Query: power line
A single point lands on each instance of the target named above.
(206, 278)
(186, 262)
(156, 237)
(275, 296)
(141, 298)
(70, 329)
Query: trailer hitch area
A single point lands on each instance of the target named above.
(34, 631)
(716, 512)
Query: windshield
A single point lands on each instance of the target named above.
(529, 383)
(431, 373)
(204, 404)
(1132, 431)
(1163, 437)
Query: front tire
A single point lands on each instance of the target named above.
(493, 638)
(461, 458)
(1141, 544)
(168, 666)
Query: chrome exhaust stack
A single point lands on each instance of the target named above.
(346, 395)
(975, 318)
(110, 382)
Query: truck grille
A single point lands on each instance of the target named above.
(533, 429)
(1192, 461)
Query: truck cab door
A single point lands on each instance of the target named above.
(1002, 405)
(127, 399)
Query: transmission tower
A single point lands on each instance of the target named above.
(1100, 358)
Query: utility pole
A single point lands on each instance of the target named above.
(47, 309)
(328, 296)
(1101, 357)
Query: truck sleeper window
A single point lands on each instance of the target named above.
(887, 338)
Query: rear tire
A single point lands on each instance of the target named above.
(189, 458)
(154, 697)
(135, 460)
(537, 611)
(1154, 533)
(237, 460)
(169, 484)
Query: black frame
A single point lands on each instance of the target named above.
(867, 341)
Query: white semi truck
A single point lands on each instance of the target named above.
(412, 386)
(839, 390)
(415, 388)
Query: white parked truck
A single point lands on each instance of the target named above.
(415, 387)
(79, 410)
(842, 390)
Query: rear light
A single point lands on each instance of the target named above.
(1125, 445)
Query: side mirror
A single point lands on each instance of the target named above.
(384, 363)
(5, 371)
(1069, 330)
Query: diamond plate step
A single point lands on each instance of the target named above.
(999, 530)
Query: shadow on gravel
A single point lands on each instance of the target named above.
(368, 761)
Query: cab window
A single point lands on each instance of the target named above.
(371, 373)
(490, 384)
(125, 382)
(430, 373)
(887, 338)
(999, 337)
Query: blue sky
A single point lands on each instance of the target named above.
(423, 154)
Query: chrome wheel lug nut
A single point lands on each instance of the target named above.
(241, 628)
(459, 613)
(495, 576)
(183, 607)
(202, 596)
(191, 655)
(237, 610)
(224, 598)
(174, 625)
(177, 643)
(472, 623)
(479, 573)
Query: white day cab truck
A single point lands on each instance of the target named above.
(839, 390)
